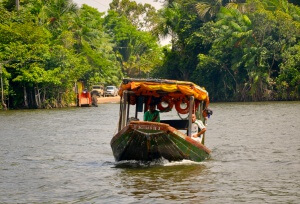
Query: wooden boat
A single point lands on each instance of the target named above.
(167, 139)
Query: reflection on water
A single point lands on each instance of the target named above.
(64, 156)
(161, 181)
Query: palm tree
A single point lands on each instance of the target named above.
(57, 9)
(169, 22)
(208, 9)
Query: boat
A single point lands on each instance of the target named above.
(168, 139)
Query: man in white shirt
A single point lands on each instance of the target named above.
(196, 126)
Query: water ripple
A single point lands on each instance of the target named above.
(64, 156)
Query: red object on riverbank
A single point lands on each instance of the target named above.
(84, 99)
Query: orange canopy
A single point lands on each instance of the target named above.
(152, 86)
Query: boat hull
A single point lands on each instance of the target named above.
(148, 141)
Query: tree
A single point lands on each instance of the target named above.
(168, 23)
(288, 81)
(142, 16)
(57, 15)
(246, 50)
(208, 9)
(180, 20)
(45, 60)
(133, 47)
(95, 44)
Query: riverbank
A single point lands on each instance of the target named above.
(115, 99)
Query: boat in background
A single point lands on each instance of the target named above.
(167, 139)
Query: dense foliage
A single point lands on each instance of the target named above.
(48, 46)
(239, 50)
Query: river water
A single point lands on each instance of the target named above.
(64, 156)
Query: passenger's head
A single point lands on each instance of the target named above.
(193, 118)
(204, 113)
(207, 113)
(152, 107)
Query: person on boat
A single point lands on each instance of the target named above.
(196, 126)
(207, 112)
(152, 114)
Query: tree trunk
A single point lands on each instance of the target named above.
(17, 5)
(38, 97)
(25, 98)
(31, 100)
(44, 98)
(4, 107)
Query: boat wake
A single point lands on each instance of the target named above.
(183, 162)
(158, 162)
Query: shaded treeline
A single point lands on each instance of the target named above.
(238, 50)
(47, 46)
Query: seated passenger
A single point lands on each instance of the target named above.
(196, 126)
(152, 115)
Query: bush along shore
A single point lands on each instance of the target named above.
(239, 51)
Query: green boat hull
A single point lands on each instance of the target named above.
(148, 141)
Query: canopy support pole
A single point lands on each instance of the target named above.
(124, 113)
(190, 115)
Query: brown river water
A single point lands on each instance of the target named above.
(64, 156)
